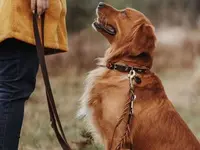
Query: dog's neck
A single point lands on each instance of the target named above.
(141, 60)
(150, 88)
(143, 90)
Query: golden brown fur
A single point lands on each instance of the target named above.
(156, 124)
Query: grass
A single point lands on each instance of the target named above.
(37, 133)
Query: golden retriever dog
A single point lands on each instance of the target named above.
(155, 124)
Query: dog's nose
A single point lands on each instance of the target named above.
(101, 5)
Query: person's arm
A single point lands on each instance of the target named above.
(40, 5)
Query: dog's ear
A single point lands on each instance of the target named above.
(145, 39)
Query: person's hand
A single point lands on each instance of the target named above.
(39, 6)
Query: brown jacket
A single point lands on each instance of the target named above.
(16, 22)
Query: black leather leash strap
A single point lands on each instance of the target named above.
(54, 118)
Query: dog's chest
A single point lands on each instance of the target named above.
(113, 93)
(113, 103)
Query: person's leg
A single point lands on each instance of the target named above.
(18, 69)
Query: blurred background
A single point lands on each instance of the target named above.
(176, 61)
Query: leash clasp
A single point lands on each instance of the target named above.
(131, 77)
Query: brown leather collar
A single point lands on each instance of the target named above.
(126, 68)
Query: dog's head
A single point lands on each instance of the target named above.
(128, 30)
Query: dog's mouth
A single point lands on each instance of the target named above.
(105, 27)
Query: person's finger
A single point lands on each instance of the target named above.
(33, 5)
(40, 7)
(47, 4)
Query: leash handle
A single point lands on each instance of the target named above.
(54, 118)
